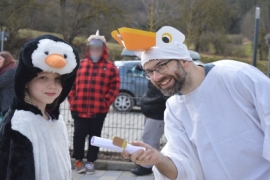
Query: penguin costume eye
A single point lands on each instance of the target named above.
(65, 56)
(46, 52)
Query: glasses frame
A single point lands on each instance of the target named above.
(148, 76)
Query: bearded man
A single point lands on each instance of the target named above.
(217, 120)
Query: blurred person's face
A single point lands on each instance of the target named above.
(1, 61)
(44, 88)
(171, 77)
(95, 53)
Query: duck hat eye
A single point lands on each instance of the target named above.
(166, 37)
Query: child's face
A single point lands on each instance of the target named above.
(44, 88)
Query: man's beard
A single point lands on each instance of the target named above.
(180, 81)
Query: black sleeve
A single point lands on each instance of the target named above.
(16, 153)
(7, 78)
(5, 136)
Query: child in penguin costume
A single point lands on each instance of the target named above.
(33, 135)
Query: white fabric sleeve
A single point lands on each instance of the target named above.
(254, 87)
(180, 150)
(64, 128)
(65, 135)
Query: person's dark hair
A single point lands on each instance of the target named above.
(139, 67)
(8, 61)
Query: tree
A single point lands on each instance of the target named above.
(153, 14)
(247, 25)
(76, 15)
(16, 15)
(63, 4)
(204, 18)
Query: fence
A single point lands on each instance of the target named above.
(127, 125)
(124, 118)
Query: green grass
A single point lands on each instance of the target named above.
(80, 40)
(27, 33)
(248, 48)
(262, 65)
(115, 49)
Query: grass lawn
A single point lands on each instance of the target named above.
(262, 65)
(26, 33)
(115, 49)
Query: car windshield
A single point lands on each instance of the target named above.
(135, 72)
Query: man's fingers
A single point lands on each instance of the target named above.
(146, 160)
(137, 154)
(141, 144)
(125, 154)
(146, 153)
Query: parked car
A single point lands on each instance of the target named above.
(133, 83)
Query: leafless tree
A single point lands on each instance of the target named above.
(76, 15)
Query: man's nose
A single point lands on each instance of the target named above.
(156, 76)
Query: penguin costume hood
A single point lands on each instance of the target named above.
(28, 142)
(45, 54)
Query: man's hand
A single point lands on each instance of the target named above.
(153, 157)
(148, 157)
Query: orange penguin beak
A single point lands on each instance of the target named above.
(134, 39)
(56, 61)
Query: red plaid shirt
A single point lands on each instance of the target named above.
(95, 88)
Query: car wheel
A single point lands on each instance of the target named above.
(124, 102)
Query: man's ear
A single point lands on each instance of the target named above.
(185, 63)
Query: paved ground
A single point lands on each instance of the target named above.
(111, 175)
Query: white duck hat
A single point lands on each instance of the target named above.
(166, 43)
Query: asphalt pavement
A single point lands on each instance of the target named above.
(111, 175)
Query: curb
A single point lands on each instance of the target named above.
(111, 165)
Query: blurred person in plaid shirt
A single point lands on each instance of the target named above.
(95, 89)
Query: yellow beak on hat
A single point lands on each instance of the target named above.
(134, 39)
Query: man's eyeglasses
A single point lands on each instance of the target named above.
(161, 68)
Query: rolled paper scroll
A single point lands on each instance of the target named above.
(117, 144)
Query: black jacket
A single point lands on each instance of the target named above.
(7, 89)
(153, 103)
(16, 153)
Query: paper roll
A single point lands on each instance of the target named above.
(108, 144)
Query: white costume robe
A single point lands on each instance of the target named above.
(221, 130)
